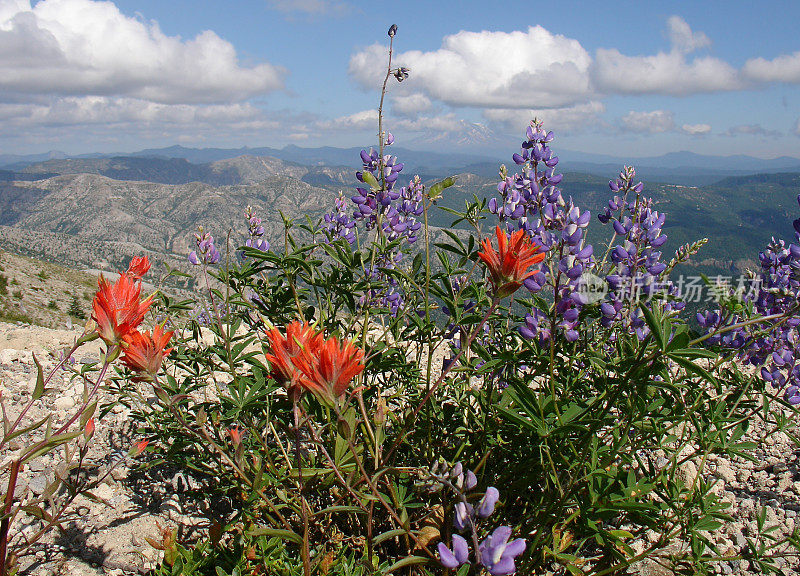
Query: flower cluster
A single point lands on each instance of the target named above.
(380, 203)
(206, 252)
(255, 232)
(495, 552)
(338, 223)
(118, 311)
(380, 175)
(304, 361)
(637, 266)
(531, 201)
(774, 342)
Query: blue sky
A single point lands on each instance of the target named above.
(623, 78)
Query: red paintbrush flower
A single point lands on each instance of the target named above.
(117, 309)
(304, 361)
(331, 367)
(508, 267)
(286, 351)
(144, 352)
(139, 267)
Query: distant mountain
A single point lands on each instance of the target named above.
(74, 209)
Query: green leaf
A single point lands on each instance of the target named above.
(33, 426)
(388, 535)
(39, 389)
(369, 178)
(653, 324)
(436, 190)
(334, 509)
(407, 561)
(277, 533)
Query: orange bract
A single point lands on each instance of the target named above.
(145, 352)
(331, 368)
(304, 361)
(508, 266)
(138, 267)
(117, 308)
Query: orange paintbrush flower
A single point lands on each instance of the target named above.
(144, 351)
(331, 367)
(286, 351)
(138, 267)
(304, 361)
(117, 308)
(509, 266)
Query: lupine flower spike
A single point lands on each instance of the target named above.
(510, 265)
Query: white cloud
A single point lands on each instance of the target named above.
(439, 123)
(750, 130)
(696, 129)
(670, 72)
(648, 122)
(490, 69)
(86, 47)
(73, 111)
(565, 119)
(682, 38)
(784, 68)
(357, 121)
(411, 105)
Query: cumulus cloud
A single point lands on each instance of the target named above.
(411, 104)
(672, 73)
(564, 119)
(86, 47)
(648, 122)
(682, 38)
(696, 129)
(490, 69)
(750, 130)
(784, 68)
(357, 121)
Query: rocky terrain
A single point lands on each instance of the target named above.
(108, 534)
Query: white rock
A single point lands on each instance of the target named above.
(63, 403)
(8, 355)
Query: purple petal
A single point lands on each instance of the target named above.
(446, 557)
(487, 503)
(461, 549)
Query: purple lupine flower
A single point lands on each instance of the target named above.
(338, 223)
(497, 554)
(459, 554)
(206, 252)
(255, 231)
(637, 266)
(531, 201)
(463, 515)
(486, 505)
(772, 344)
